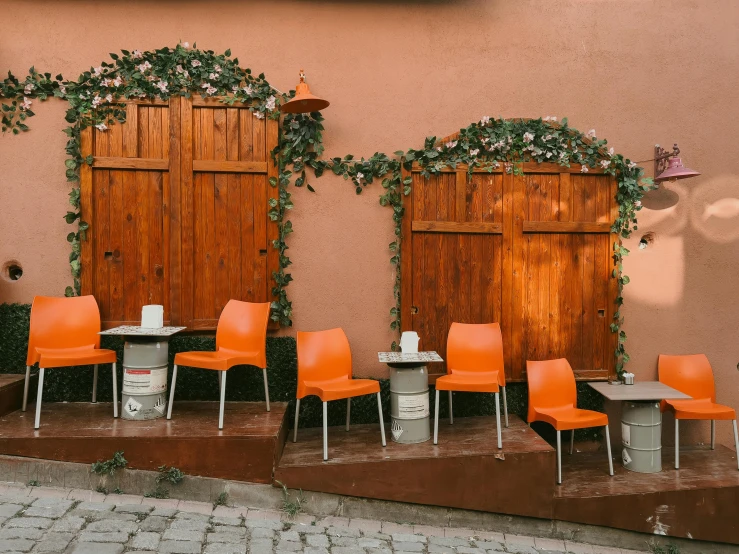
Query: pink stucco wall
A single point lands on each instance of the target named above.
(639, 72)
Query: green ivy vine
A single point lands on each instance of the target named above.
(95, 96)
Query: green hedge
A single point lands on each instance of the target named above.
(245, 383)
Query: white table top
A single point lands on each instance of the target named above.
(136, 331)
(408, 357)
(641, 390)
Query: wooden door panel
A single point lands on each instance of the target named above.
(530, 251)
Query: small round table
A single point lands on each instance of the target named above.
(409, 395)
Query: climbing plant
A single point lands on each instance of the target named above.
(94, 99)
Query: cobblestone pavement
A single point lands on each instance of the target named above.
(68, 521)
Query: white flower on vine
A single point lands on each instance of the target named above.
(508, 167)
(29, 88)
(108, 97)
(205, 85)
(496, 165)
(298, 160)
(451, 144)
(474, 152)
(438, 148)
(528, 137)
(359, 178)
(590, 134)
(259, 115)
(105, 82)
(62, 89)
(485, 120)
(96, 101)
(101, 127)
(631, 165)
(179, 69)
(550, 118)
(611, 151)
(605, 163)
(211, 90)
(26, 103)
(212, 76)
(162, 85)
(185, 45)
(196, 63)
(270, 103)
(186, 74)
(97, 70)
(248, 90)
(137, 55)
(117, 82)
(547, 137)
(584, 169)
(637, 203)
(549, 154)
(144, 66)
(217, 68)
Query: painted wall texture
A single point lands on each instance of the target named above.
(640, 72)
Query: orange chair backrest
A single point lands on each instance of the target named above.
(475, 347)
(551, 385)
(691, 374)
(323, 355)
(242, 327)
(66, 322)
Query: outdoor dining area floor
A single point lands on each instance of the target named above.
(465, 470)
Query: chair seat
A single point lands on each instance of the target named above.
(336, 389)
(220, 360)
(702, 408)
(65, 357)
(567, 418)
(468, 381)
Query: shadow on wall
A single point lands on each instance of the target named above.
(687, 262)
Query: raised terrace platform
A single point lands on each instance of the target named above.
(247, 449)
(466, 470)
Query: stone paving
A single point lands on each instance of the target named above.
(64, 521)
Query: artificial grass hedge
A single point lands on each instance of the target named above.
(243, 383)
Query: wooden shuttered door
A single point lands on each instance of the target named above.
(532, 252)
(177, 201)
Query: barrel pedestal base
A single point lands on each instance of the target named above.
(641, 436)
(409, 404)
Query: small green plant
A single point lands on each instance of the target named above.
(171, 474)
(101, 489)
(289, 506)
(221, 500)
(655, 548)
(118, 490)
(109, 467)
(33, 483)
(159, 492)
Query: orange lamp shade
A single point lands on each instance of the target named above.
(304, 101)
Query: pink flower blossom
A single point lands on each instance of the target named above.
(611, 151)
(259, 115)
(217, 68)
(590, 134)
(62, 89)
(605, 163)
(205, 85)
(105, 82)
(359, 178)
(212, 76)
(137, 55)
(179, 69)
(637, 203)
(451, 144)
(631, 165)
(528, 137)
(162, 85)
(29, 88)
(117, 82)
(474, 152)
(108, 97)
(26, 103)
(144, 66)
(97, 70)
(270, 103)
(584, 169)
(196, 63)
(101, 127)
(211, 90)
(96, 101)
(550, 118)
(185, 45)
(485, 120)
(248, 90)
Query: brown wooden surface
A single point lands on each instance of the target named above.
(177, 201)
(11, 391)
(246, 449)
(465, 470)
(532, 252)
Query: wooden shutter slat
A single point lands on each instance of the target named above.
(566, 227)
(144, 164)
(455, 227)
(221, 166)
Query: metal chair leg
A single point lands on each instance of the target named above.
(266, 386)
(559, 457)
(115, 390)
(297, 411)
(451, 411)
(497, 419)
(505, 407)
(736, 443)
(39, 395)
(572, 441)
(223, 399)
(95, 384)
(382, 420)
(325, 431)
(348, 412)
(610, 457)
(171, 393)
(436, 418)
(25, 388)
(713, 434)
(677, 444)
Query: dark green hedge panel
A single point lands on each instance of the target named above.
(244, 383)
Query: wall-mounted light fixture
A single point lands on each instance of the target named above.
(304, 101)
(668, 166)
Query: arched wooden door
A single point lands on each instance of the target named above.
(532, 252)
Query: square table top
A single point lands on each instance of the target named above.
(641, 390)
(408, 357)
(137, 331)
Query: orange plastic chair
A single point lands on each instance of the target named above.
(474, 364)
(241, 339)
(693, 376)
(64, 332)
(325, 370)
(553, 399)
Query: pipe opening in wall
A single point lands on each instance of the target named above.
(12, 270)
